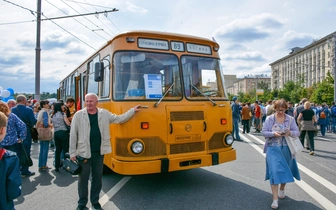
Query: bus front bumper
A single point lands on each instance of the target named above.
(171, 164)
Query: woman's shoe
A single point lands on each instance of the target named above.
(311, 152)
(282, 194)
(274, 204)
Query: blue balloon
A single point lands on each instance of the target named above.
(5, 99)
(11, 91)
(10, 97)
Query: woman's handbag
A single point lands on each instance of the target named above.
(44, 133)
(72, 167)
(294, 144)
(25, 160)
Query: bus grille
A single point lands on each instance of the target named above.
(186, 115)
(188, 147)
(153, 147)
(216, 141)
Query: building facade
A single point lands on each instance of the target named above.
(310, 63)
(246, 84)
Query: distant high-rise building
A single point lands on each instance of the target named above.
(310, 63)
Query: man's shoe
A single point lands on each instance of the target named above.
(96, 206)
(27, 174)
(81, 207)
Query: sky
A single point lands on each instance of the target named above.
(251, 33)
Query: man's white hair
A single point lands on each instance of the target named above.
(91, 94)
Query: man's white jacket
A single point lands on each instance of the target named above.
(80, 131)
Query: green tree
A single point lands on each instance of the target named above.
(324, 91)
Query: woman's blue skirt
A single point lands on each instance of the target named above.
(280, 167)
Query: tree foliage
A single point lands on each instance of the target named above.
(294, 92)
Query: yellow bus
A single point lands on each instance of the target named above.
(185, 121)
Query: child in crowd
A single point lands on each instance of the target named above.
(10, 179)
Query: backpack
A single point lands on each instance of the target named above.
(323, 114)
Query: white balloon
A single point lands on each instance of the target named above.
(5, 93)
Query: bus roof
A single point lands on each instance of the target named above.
(147, 33)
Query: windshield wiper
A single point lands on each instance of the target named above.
(214, 103)
(164, 94)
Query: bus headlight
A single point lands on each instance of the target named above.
(137, 147)
(228, 139)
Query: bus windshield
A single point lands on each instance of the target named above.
(146, 76)
(156, 76)
(202, 78)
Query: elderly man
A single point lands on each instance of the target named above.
(11, 103)
(25, 114)
(89, 141)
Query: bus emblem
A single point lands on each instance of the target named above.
(188, 127)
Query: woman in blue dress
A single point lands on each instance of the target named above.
(281, 166)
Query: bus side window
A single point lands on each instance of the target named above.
(92, 84)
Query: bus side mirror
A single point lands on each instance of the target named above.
(99, 72)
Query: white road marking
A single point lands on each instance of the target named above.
(106, 197)
(302, 184)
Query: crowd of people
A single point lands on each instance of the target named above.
(276, 120)
(18, 119)
(255, 114)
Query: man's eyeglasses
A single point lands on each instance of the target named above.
(280, 110)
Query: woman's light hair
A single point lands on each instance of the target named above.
(4, 108)
(3, 120)
(306, 105)
(281, 103)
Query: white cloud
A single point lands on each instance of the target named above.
(249, 29)
(136, 9)
(291, 39)
(247, 56)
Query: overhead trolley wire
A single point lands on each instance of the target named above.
(106, 17)
(88, 20)
(78, 2)
(68, 32)
(98, 19)
(51, 19)
(78, 21)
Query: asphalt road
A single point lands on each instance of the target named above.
(235, 185)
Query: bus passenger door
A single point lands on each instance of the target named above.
(80, 90)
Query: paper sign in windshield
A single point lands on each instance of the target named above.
(153, 86)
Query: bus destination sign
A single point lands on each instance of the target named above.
(197, 48)
(153, 44)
